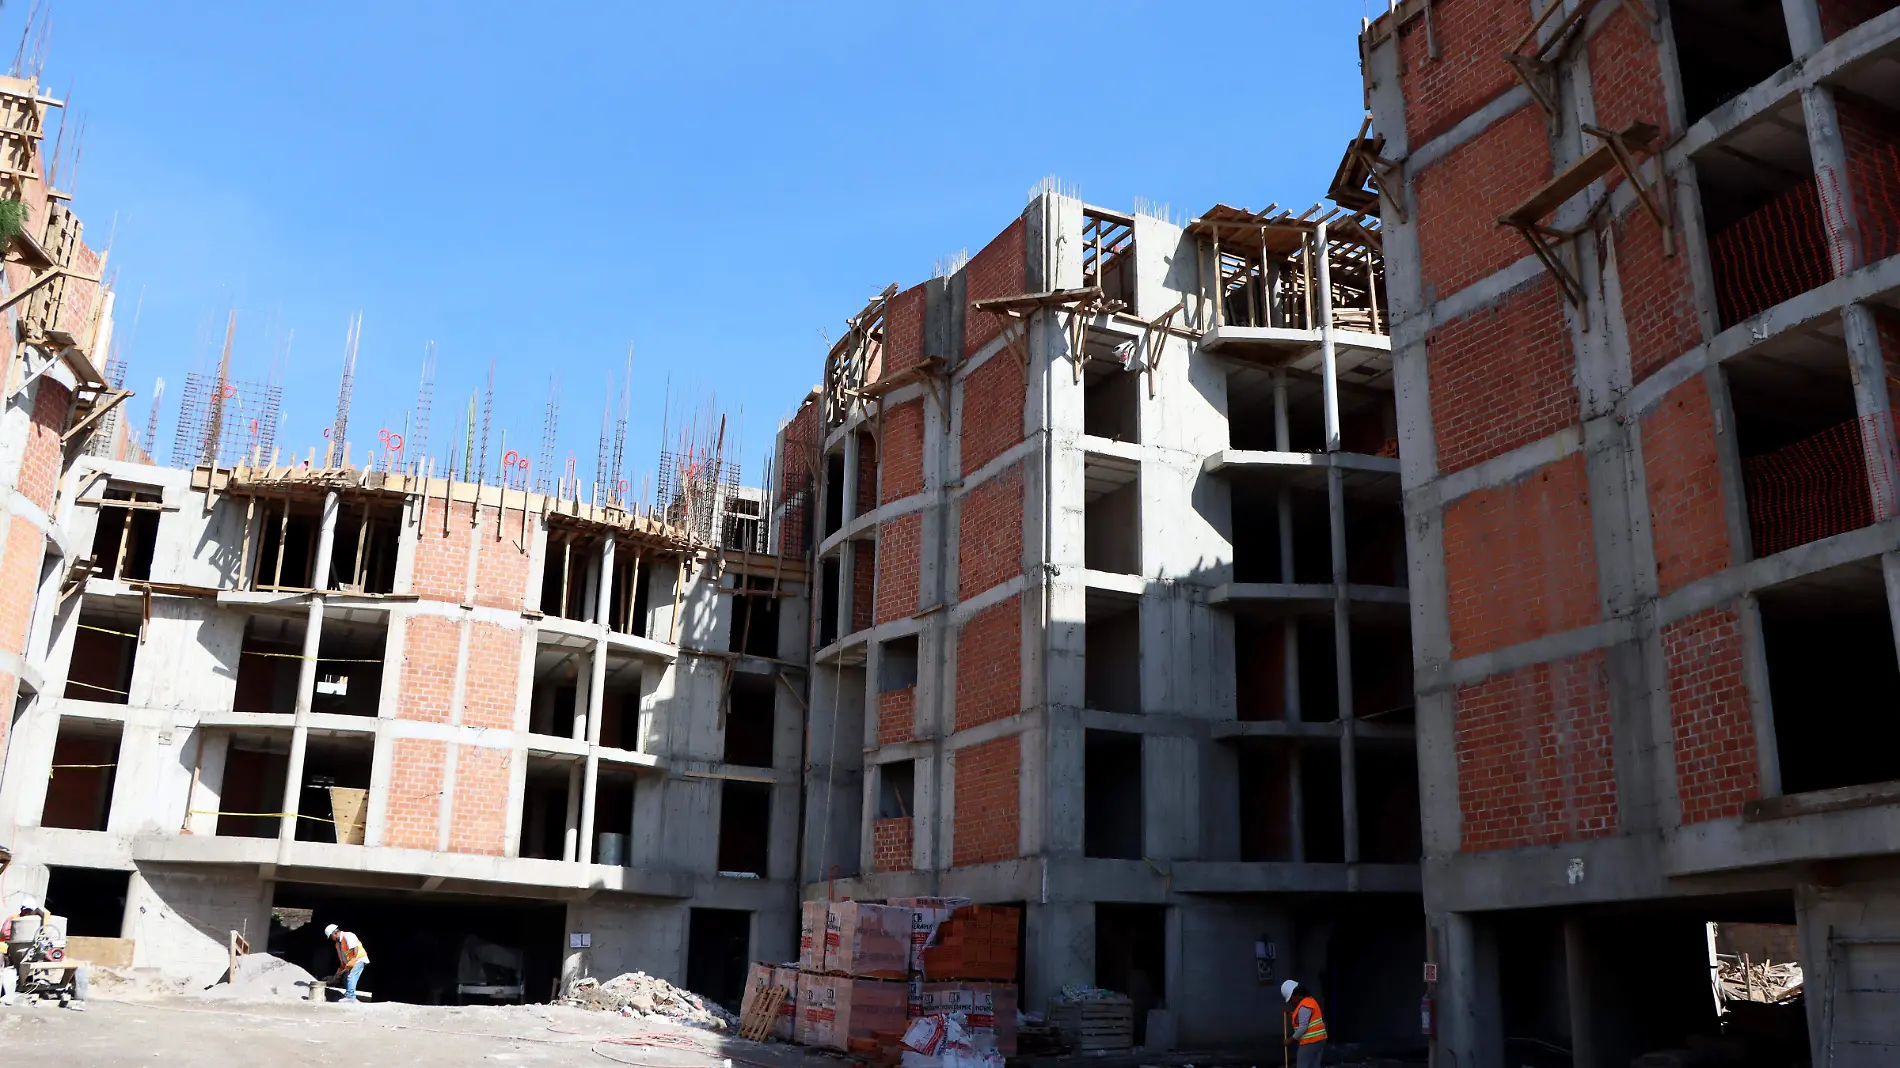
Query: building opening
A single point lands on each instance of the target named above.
(751, 719)
(363, 554)
(105, 652)
(834, 493)
(1804, 468)
(897, 664)
(1112, 653)
(1266, 504)
(1724, 47)
(127, 535)
(745, 827)
(1382, 665)
(1375, 535)
(430, 948)
(1108, 260)
(628, 601)
(545, 802)
(866, 501)
(1112, 823)
(91, 899)
(1131, 955)
(1761, 207)
(896, 790)
(335, 794)
(268, 664)
(253, 787)
(1111, 402)
(832, 587)
(350, 661)
(620, 702)
(1322, 809)
(742, 527)
(718, 947)
(1386, 776)
(562, 670)
(1254, 402)
(755, 617)
(614, 794)
(286, 540)
(1828, 641)
(1111, 516)
(570, 573)
(85, 766)
(1267, 773)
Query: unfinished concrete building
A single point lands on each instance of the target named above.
(1642, 276)
(1109, 612)
(435, 712)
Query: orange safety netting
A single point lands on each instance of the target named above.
(1778, 251)
(1820, 486)
(1875, 174)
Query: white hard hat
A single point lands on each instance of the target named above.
(1286, 990)
(330, 931)
(27, 904)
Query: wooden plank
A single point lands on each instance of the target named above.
(1577, 177)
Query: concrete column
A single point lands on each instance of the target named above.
(1323, 307)
(1830, 175)
(1804, 26)
(1289, 628)
(1872, 400)
(306, 680)
(1336, 521)
(1583, 1015)
(571, 837)
(596, 699)
(1470, 1015)
(209, 749)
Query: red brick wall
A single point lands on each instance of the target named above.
(990, 665)
(480, 823)
(863, 584)
(891, 844)
(429, 647)
(1536, 763)
(993, 399)
(19, 585)
(494, 669)
(997, 271)
(989, 801)
(899, 558)
(1708, 711)
(896, 715)
(40, 460)
(1472, 35)
(1659, 307)
(441, 571)
(1686, 516)
(1839, 16)
(1626, 75)
(9, 693)
(1501, 377)
(415, 790)
(867, 475)
(1871, 136)
(501, 568)
(797, 440)
(903, 451)
(1519, 560)
(1462, 195)
(990, 534)
(904, 330)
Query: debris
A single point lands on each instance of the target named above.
(640, 994)
(260, 976)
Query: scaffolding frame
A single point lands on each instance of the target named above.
(850, 363)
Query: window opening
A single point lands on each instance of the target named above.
(126, 538)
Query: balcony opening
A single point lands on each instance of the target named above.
(1804, 471)
(745, 827)
(1382, 690)
(863, 582)
(254, 770)
(1111, 402)
(631, 610)
(1260, 553)
(1111, 517)
(834, 748)
(1108, 255)
(105, 652)
(126, 537)
(363, 556)
(91, 899)
(1762, 211)
(1259, 667)
(544, 806)
(897, 664)
(755, 615)
(718, 950)
(1386, 777)
(620, 703)
(1724, 47)
(85, 767)
(335, 797)
(1829, 645)
(742, 526)
(834, 493)
(570, 575)
(562, 669)
(897, 790)
(751, 719)
(1131, 955)
(830, 577)
(268, 664)
(1112, 820)
(614, 794)
(1112, 653)
(286, 540)
(1266, 801)
(1252, 404)
(866, 501)
(1322, 810)
(350, 662)
(1375, 533)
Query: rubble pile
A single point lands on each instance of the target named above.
(262, 977)
(640, 994)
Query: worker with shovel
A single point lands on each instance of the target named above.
(1309, 1025)
(350, 957)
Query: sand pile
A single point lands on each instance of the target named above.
(640, 994)
(262, 977)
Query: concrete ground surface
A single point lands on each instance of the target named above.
(230, 1034)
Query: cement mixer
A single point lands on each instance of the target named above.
(36, 956)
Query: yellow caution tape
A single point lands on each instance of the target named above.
(50, 768)
(96, 686)
(103, 630)
(259, 815)
(242, 652)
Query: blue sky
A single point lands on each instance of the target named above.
(719, 185)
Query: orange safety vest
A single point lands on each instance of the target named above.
(1315, 1026)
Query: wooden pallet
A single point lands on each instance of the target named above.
(757, 1023)
(1092, 1025)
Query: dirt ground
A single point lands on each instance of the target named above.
(235, 1034)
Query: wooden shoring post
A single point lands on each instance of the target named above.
(125, 539)
(1656, 201)
(633, 588)
(283, 536)
(679, 598)
(1432, 51)
(357, 572)
(1220, 282)
(1372, 289)
(567, 569)
(1566, 279)
(244, 549)
(1157, 340)
(1306, 278)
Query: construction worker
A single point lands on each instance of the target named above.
(1308, 1033)
(350, 958)
(28, 907)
